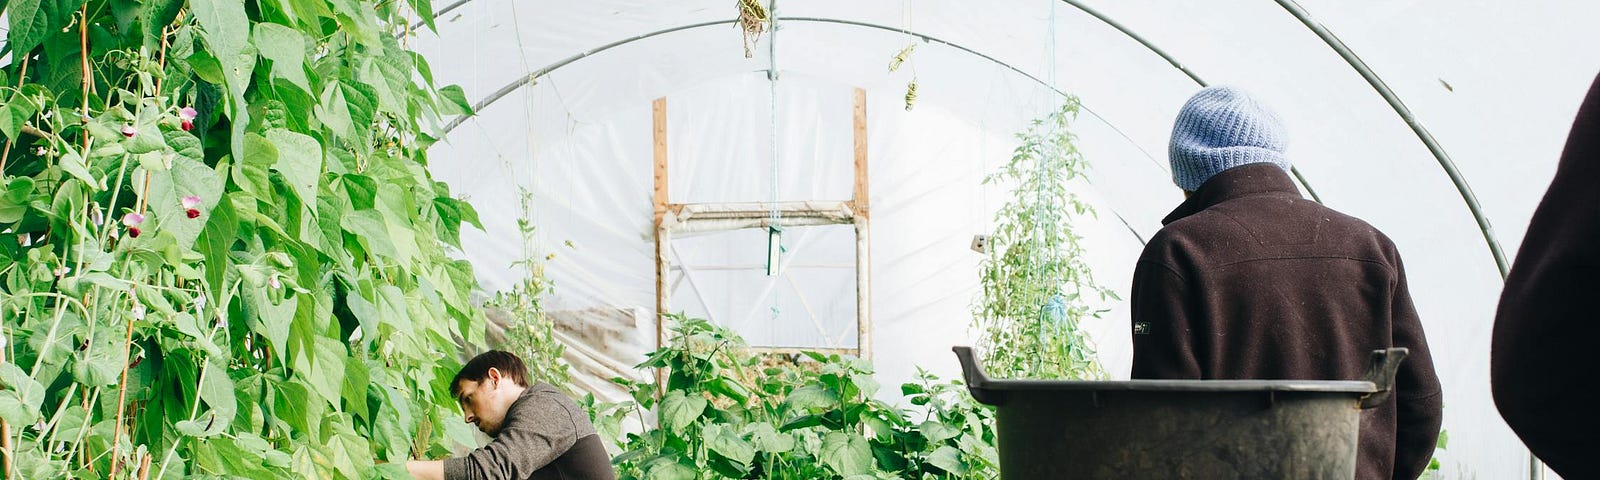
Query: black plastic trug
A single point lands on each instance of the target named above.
(1161, 429)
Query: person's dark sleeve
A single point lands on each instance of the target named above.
(1542, 363)
(543, 434)
(1418, 397)
(1162, 341)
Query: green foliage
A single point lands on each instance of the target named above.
(279, 310)
(529, 333)
(1434, 466)
(1035, 281)
(726, 413)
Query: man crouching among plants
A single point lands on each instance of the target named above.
(538, 432)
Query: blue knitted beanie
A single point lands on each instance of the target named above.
(1221, 128)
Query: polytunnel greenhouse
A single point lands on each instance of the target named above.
(739, 239)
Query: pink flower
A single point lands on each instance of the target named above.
(273, 282)
(189, 204)
(187, 114)
(129, 131)
(137, 311)
(132, 221)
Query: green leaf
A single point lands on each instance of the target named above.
(865, 383)
(22, 397)
(327, 369)
(214, 243)
(769, 439)
(271, 320)
(460, 433)
(168, 188)
(15, 198)
(357, 379)
(16, 111)
(361, 189)
(937, 432)
(100, 368)
(424, 9)
(227, 28)
(73, 164)
(948, 458)
(32, 21)
(389, 75)
(227, 31)
(392, 309)
(206, 425)
(729, 444)
(186, 145)
(847, 454)
(727, 387)
(286, 48)
(803, 421)
(371, 230)
(670, 471)
(362, 102)
(156, 15)
(334, 111)
(148, 137)
(679, 410)
(457, 99)
(250, 174)
(299, 160)
(309, 12)
(812, 397)
(358, 21)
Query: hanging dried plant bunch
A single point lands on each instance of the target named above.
(753, 20)
(911, 94)
(900, 58)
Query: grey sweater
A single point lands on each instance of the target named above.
(545, 436)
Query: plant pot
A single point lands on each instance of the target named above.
(1166, 429)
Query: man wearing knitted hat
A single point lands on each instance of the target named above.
(1248, 280)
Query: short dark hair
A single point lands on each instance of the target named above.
(478, 368)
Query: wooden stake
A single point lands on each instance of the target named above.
(659, 113)
(863, 222)
(5, 436)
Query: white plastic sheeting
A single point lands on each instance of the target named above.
(1495, 82)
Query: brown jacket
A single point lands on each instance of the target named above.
(1542, 360)
(1248, 280)
(546, 436)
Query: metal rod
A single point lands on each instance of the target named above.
(1181, 68)
(1411, 121)
(524, 81)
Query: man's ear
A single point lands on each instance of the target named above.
(492, 374)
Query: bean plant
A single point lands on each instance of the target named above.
(221, 250)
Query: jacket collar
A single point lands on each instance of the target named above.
(1244, 180)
